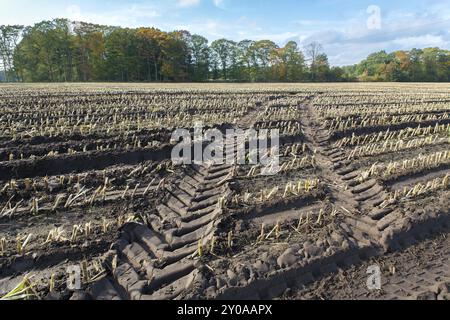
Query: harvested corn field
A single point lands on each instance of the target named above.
(92, 205)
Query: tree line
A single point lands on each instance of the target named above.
(64, 51)
(416, 65)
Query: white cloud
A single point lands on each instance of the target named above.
(420, 41)
(279, 38)
(188, 3)
(210, 28)
(219, 3)
(213, 29)
(350, 41)
(131, 16)
(74, 12)
(346, 41)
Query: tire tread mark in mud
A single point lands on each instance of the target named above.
(156, 261)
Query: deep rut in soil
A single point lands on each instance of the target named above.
(418, 272)
(158, 261)
(169, 254)
(376, 226)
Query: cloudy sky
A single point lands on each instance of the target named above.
(348, 29)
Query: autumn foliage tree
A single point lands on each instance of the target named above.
(64, 51)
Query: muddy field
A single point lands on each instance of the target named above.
(87, 184)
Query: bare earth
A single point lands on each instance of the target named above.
(86, 180)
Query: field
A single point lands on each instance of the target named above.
(87, 184)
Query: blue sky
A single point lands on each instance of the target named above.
(340, 25)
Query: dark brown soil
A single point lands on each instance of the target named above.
(150, 230)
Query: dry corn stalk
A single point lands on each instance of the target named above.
(22, 242)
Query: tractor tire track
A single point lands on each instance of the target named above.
(157, 261)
